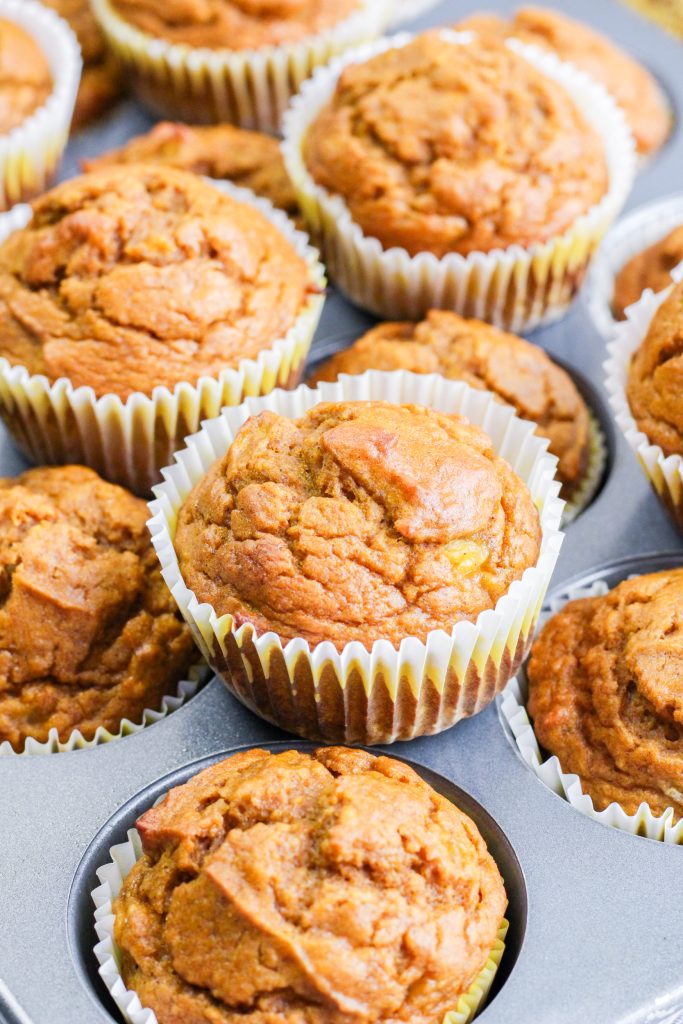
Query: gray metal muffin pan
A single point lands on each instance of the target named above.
(597, 915)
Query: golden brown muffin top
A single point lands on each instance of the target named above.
(326, 888)
(484, 357)
(655, 380)
(235, 24)
(247, 158)
(446, 147)
(89, 633)
(631, 85)
(132, 277)
(359, 521)
(650, 268)
(605, 692)
(25, 77)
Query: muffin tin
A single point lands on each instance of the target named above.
(596, 914)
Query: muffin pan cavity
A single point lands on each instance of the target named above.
(519, 728)
(82, 934)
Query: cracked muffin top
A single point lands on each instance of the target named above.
(326, 888)
(133, 277)
(632, 86)
(100, 81)
(25, 78)
(247, 158)
(235, 24)
(89, 633)
(443, 146)
(606, 692)
(655, 379)
(359, 521)
(484, 357)
(650, 268)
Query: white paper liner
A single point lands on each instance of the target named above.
(512, 707)
(383, 694)
(597, 461)
(640, 229)
(112, 875)
(247, 87)
(664, 473)
(186, 688)
(516, 288)
(29, 154)
(128, 442)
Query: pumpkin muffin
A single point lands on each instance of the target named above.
(326, 888)
(358, 521)
(133, 277)
(250, 159)
(446, 147)
(484, 357)
(234, 24)
(25, 78)
(605, 692)
(100, 83)
(650, 268)
(655, 381)
(633, 87)
(89, 633)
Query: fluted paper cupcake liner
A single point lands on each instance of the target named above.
(516, 288)
(247, 87)
(128, 442)
(597, 461)
(112, 875)
(512, 705)
(643, 227)
(30, 153)
(664, 473)
(186, 688)
(383, 694)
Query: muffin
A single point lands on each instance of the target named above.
(633, 87)
(448, 171)
(604, 692)
(359, 521)
(155, 289)
(232, 60)
(332, 558)
(440, 151)
(88, 630)
(642, 378)
(249, 159)
(655, 382)
(484, 357)
(101, 83)
(387, 902)
(650, 268)
(25, 78)
(39, 71)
